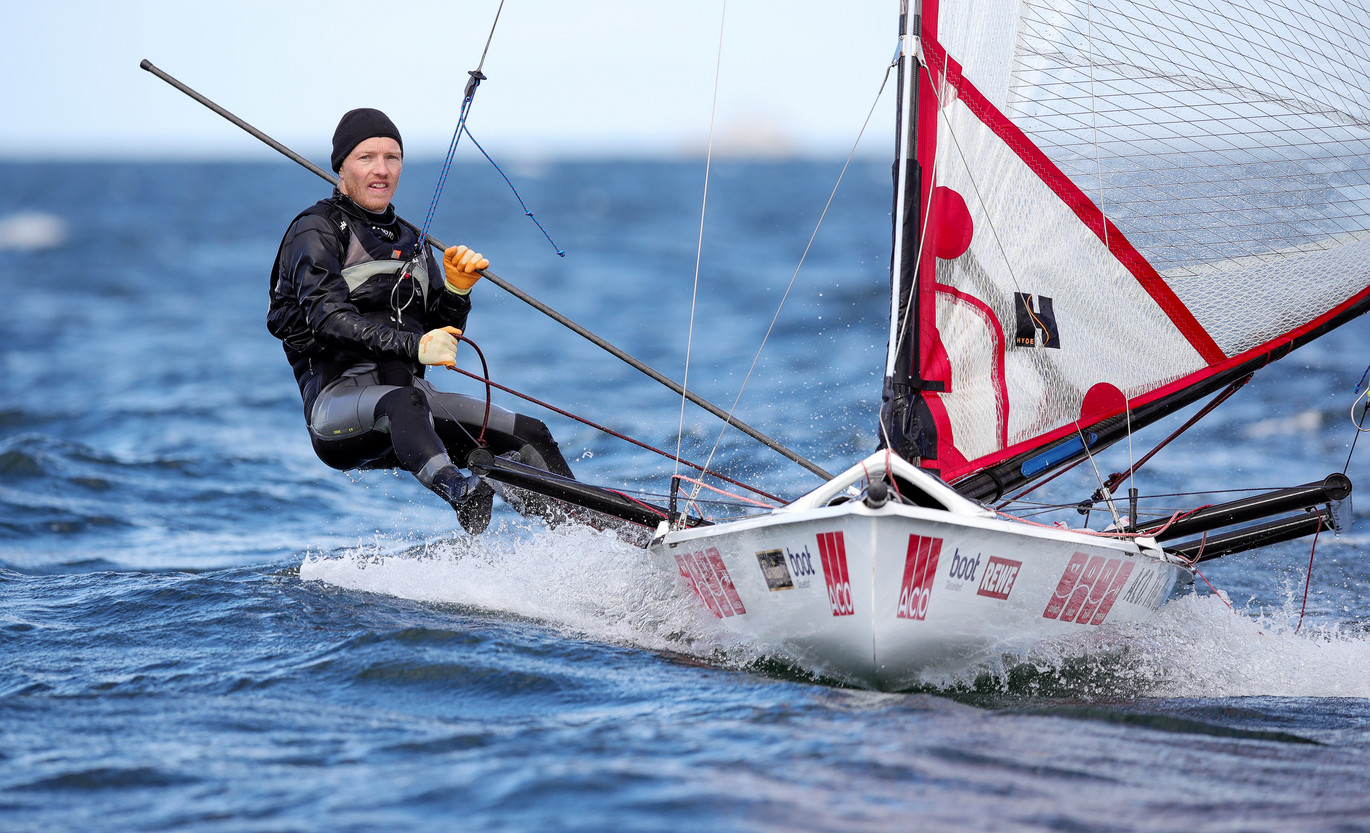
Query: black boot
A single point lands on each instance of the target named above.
(474, 513)
(468, 494)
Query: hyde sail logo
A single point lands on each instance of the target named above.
(1088, 588)
(832, 554)
(920, 566)
(1034, 321)
(710, 580)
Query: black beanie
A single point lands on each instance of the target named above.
(355, 127)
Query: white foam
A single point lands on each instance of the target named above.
(31, 231)
(1195, 646)
(592, 585)
(1198, 647)
(580, 580)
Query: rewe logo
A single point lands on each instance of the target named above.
(1000, 573)
(832, 553)
(1088, 588)
(920, 565)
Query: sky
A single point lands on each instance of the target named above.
(565, 77)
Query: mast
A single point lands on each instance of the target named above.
(904, 425)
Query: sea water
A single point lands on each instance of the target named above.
(202, 628)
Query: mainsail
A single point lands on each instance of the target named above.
(1107, 209)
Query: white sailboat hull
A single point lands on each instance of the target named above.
(880, 596)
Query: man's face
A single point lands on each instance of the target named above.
(371, 172)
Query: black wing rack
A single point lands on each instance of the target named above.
(1306, 510)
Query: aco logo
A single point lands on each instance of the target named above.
(920, 565)
(832, 553)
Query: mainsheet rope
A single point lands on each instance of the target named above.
(484, 378)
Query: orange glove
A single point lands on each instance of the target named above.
(462, 267)
(439, 347)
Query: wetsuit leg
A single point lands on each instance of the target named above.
(458, 420)
(461, 420)
(342, 424)
(410, 422)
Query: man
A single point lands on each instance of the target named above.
(361, 309)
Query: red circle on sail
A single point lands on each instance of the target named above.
(953, 227)
(1102, 400)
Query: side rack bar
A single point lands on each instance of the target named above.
(574, 492)
(1252, 537)
(1315, 507)
(1333, 488)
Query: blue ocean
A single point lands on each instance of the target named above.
(204, 629)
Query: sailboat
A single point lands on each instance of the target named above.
(1104, 212)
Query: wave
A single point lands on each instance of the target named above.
(1197, 646)
(31, 231)
(68, 505)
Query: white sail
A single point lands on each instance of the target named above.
(1126, 201)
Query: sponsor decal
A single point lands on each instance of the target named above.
(801, 567)
(1148, 590)
(920, 565)
(711, 582)
(774, 569)
(1087, 589)
(962, 570)
(832, 552)
(1000, 573)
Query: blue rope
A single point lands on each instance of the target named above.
(1359, 423)
(526, 212)
(476, 78)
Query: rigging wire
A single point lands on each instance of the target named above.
(994, 230)
(926, 210)
(1103, 221)
(1108, 497)
(795, 275)
(489, 383)
(699, 245)
(1362, 395)
(1359, 425)
(699, 251)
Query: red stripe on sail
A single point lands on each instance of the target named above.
(954, 465)
(925, 151)
(999, 375)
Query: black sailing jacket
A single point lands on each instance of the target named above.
(338, 299)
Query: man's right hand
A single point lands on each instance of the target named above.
(462, 267)
(439, 347)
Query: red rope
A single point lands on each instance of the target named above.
(485, 422)
(1308, 578)
(1116, 479)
